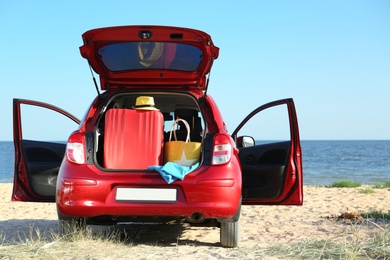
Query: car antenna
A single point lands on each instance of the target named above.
(94, 79)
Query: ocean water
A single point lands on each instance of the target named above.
(324, 162)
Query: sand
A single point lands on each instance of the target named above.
(320, 218)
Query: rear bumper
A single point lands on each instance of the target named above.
(217, 197)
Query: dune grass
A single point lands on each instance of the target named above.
(344, 184)
(376, 215)
(350, 184)
(354, 243)
(80, 244)
(355, 246)
(382, 186)
(367, 189)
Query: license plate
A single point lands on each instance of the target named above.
(146, 195)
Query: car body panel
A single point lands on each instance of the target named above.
(36, 163)
(272, 173)
(94, 194)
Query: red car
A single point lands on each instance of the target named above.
(114, 167)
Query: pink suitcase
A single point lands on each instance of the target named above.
(133, 139)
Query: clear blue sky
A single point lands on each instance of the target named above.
(332, 57)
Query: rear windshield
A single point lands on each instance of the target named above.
(150, 55)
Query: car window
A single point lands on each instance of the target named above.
(42, 124)
(195, 123)
(271, 124)
(150, 55)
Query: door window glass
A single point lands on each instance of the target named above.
(42, 124)
(271, 124)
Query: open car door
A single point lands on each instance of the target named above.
(271, 170)
(37, 162)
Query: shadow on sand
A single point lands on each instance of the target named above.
(23, 231)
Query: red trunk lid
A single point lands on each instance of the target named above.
(149, 56)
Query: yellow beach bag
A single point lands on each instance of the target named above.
(185, 153)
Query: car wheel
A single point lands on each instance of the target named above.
(68, 227)
(230, 234)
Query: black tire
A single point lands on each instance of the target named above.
(230, 234)
(68, 226)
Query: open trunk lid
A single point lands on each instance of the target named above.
(149, 56)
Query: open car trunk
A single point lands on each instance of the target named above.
(128, 138)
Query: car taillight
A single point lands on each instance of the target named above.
(222, 151)
(75, 148)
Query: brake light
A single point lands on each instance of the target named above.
(75, 148)
(222, 151)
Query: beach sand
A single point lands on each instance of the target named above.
(320, 218)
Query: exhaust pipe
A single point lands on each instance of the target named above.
(196, 218)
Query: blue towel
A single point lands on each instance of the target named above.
(172, 171)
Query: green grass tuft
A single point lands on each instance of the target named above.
(344, 184)
(349, 184)
(378, 186)
(376, 215)
(367, 191)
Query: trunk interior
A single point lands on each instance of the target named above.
(131, 139)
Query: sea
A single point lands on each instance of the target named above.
(324, 162)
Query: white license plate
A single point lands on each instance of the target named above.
(146, 195)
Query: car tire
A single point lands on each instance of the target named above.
(230, 234)
(69, 226)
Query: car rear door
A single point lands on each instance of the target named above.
(272, 166)
(37, 161)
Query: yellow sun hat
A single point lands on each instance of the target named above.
(145, 103)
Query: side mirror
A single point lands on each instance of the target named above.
(245, 141)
